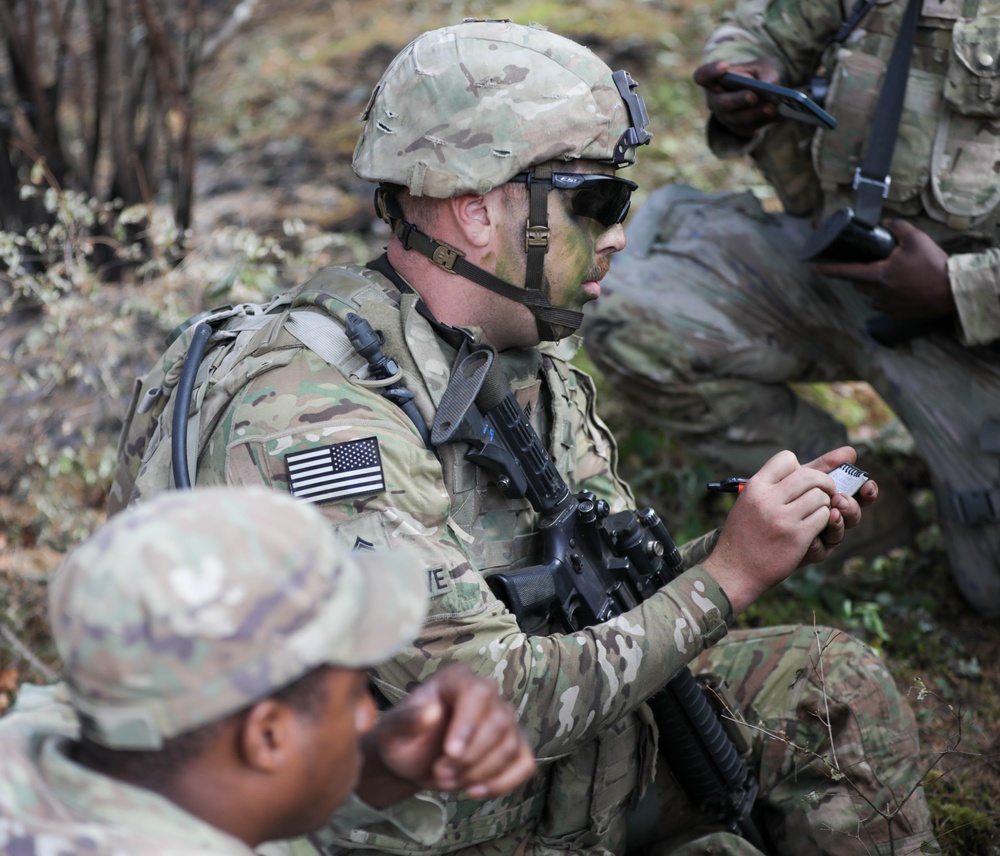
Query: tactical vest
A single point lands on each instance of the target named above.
(944, 175)
(251, 339)
(498, 531)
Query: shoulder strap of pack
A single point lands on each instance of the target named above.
(245, 341)
(314, 317)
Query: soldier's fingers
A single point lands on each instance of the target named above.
(486, 760)
(848, 509)
(741, 111)
(493, 725)
(904, 231)
(705, 74)
(817, 552)
(816, 521)
(867, 494)
(505, 773)
(806, 504)
(489, 757)
(776, 468)
(476, 708)
(872, 273)
(829, 461)
(835, 530)
(416, 713)
(800, 484)
(735, 104)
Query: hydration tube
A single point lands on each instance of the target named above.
(182, 406)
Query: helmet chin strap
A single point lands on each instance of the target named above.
(452, 260)
(536, 243)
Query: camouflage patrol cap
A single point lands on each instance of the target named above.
(200, 602)
(465, 108)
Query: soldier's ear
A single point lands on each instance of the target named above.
(265, 741)
(475, 217)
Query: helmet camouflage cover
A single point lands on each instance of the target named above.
(465, 108)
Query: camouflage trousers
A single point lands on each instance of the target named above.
(835, 746)
(708, 318)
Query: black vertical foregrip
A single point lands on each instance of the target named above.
(546, 488)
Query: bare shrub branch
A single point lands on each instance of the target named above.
(102, 92)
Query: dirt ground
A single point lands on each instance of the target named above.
(279, 113)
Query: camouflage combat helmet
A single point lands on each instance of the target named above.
(199, 602)
(467, 108)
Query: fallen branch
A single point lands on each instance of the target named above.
(26, 654)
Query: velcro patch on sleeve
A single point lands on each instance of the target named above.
(336, 472)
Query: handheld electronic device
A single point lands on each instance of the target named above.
(791, 103)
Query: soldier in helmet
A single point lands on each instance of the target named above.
(497, 149)
(215, 645)
(712, 314)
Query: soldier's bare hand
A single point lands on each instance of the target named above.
(743, 112)
(782, 511)
(845, 511)
(912, 282)
(454, 732)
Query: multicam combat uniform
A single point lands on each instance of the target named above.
(579, 696)
(710, 316)
(51, 804)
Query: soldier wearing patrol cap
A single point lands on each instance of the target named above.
(497, 149)
(710, 315)
(215, 645)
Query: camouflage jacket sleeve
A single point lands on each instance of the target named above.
(791, 34)
(420, 818)
(567, 688)
(975, 285)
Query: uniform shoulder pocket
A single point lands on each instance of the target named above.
(965, 183)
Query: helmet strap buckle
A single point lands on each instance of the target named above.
(535, 236)
(445, 256)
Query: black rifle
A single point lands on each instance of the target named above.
(594, 566)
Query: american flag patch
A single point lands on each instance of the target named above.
(333, 472)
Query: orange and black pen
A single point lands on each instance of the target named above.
(730, 485)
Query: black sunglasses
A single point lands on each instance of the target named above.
(604, 198)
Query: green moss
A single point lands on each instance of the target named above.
(965, 816)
